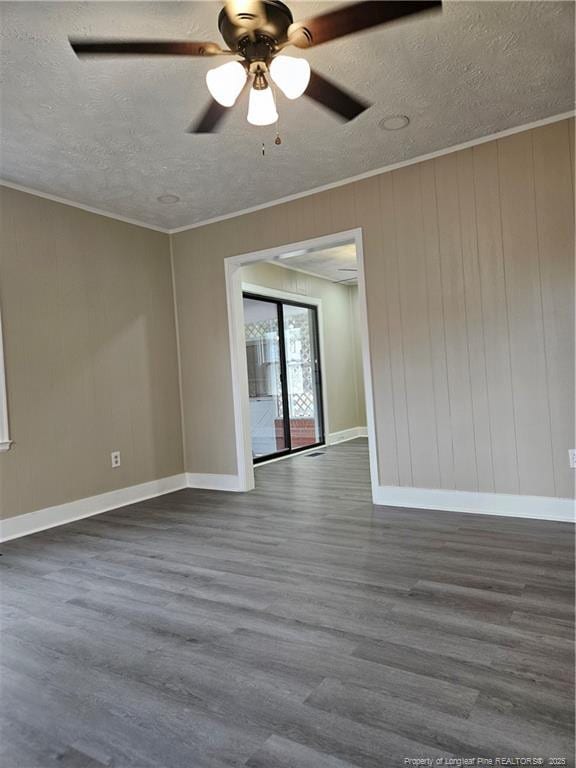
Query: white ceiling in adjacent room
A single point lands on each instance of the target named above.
(111, 133)
(337, 264)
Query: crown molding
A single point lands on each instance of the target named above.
(380, 171)
(81, 206)
(297, 195)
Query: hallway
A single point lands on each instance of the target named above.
(296, 626)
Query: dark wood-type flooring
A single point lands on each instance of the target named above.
(296, 626)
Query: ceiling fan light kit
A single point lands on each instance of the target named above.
(226, 82)
(262, 107)
(258, 31)
(290, 75)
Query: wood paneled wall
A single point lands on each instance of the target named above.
(469, 263)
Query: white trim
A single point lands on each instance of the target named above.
(178, 353)
(213, 482)
(505, 504)
(533, 507)
(232, 269)
(347, 434)
(32, 522)
(367, 367)
(5, 441)
(378, 171)
(238, 368)
(81, 206)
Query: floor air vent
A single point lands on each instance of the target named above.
(316, 453)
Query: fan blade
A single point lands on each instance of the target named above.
(209, 120)
(247, 14)
(144, 48)
(334, 98)
(354, 18)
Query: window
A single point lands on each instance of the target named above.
(4, 436)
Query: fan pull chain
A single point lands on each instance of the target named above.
(278, 139)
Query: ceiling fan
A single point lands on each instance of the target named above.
(257, 32)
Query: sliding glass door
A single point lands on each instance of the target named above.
(284, 377)
(302, 375)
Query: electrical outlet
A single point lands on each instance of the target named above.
(115, 458)
(572, 454)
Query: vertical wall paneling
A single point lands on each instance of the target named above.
(475, 321)
(369, 217)
(524, 296)
(415, 337)
(495, 318)
(436, 325)
(390, 294)
(555, 229)
(469, 265)
(456, 323)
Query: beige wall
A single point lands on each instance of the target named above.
(470, 300)
(358, 364)
(91, 365)
(469, 270)
(344, 404)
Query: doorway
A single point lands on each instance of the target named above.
(238, 282)
(284, 376)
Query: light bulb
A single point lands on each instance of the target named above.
(290, 75)
(226, 82)
(261, 107)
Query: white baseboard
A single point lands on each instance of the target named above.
(50, 517)
(213, 482)
(347, 434)
(32, 522)
(535, 507)
(506, 504)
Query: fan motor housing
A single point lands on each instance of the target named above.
(272, 32)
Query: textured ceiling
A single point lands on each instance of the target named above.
(110, 134)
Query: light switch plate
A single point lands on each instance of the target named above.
(572, 454)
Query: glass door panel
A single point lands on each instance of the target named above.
(261, 329)
(302, 375)
(284, 384)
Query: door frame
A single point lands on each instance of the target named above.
(292, 300)
(238, 366)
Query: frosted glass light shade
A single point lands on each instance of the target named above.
(290, 75)
(261, 107)
(226, 82)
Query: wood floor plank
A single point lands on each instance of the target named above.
(296, 626)
(284, 753)
(458, 735)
